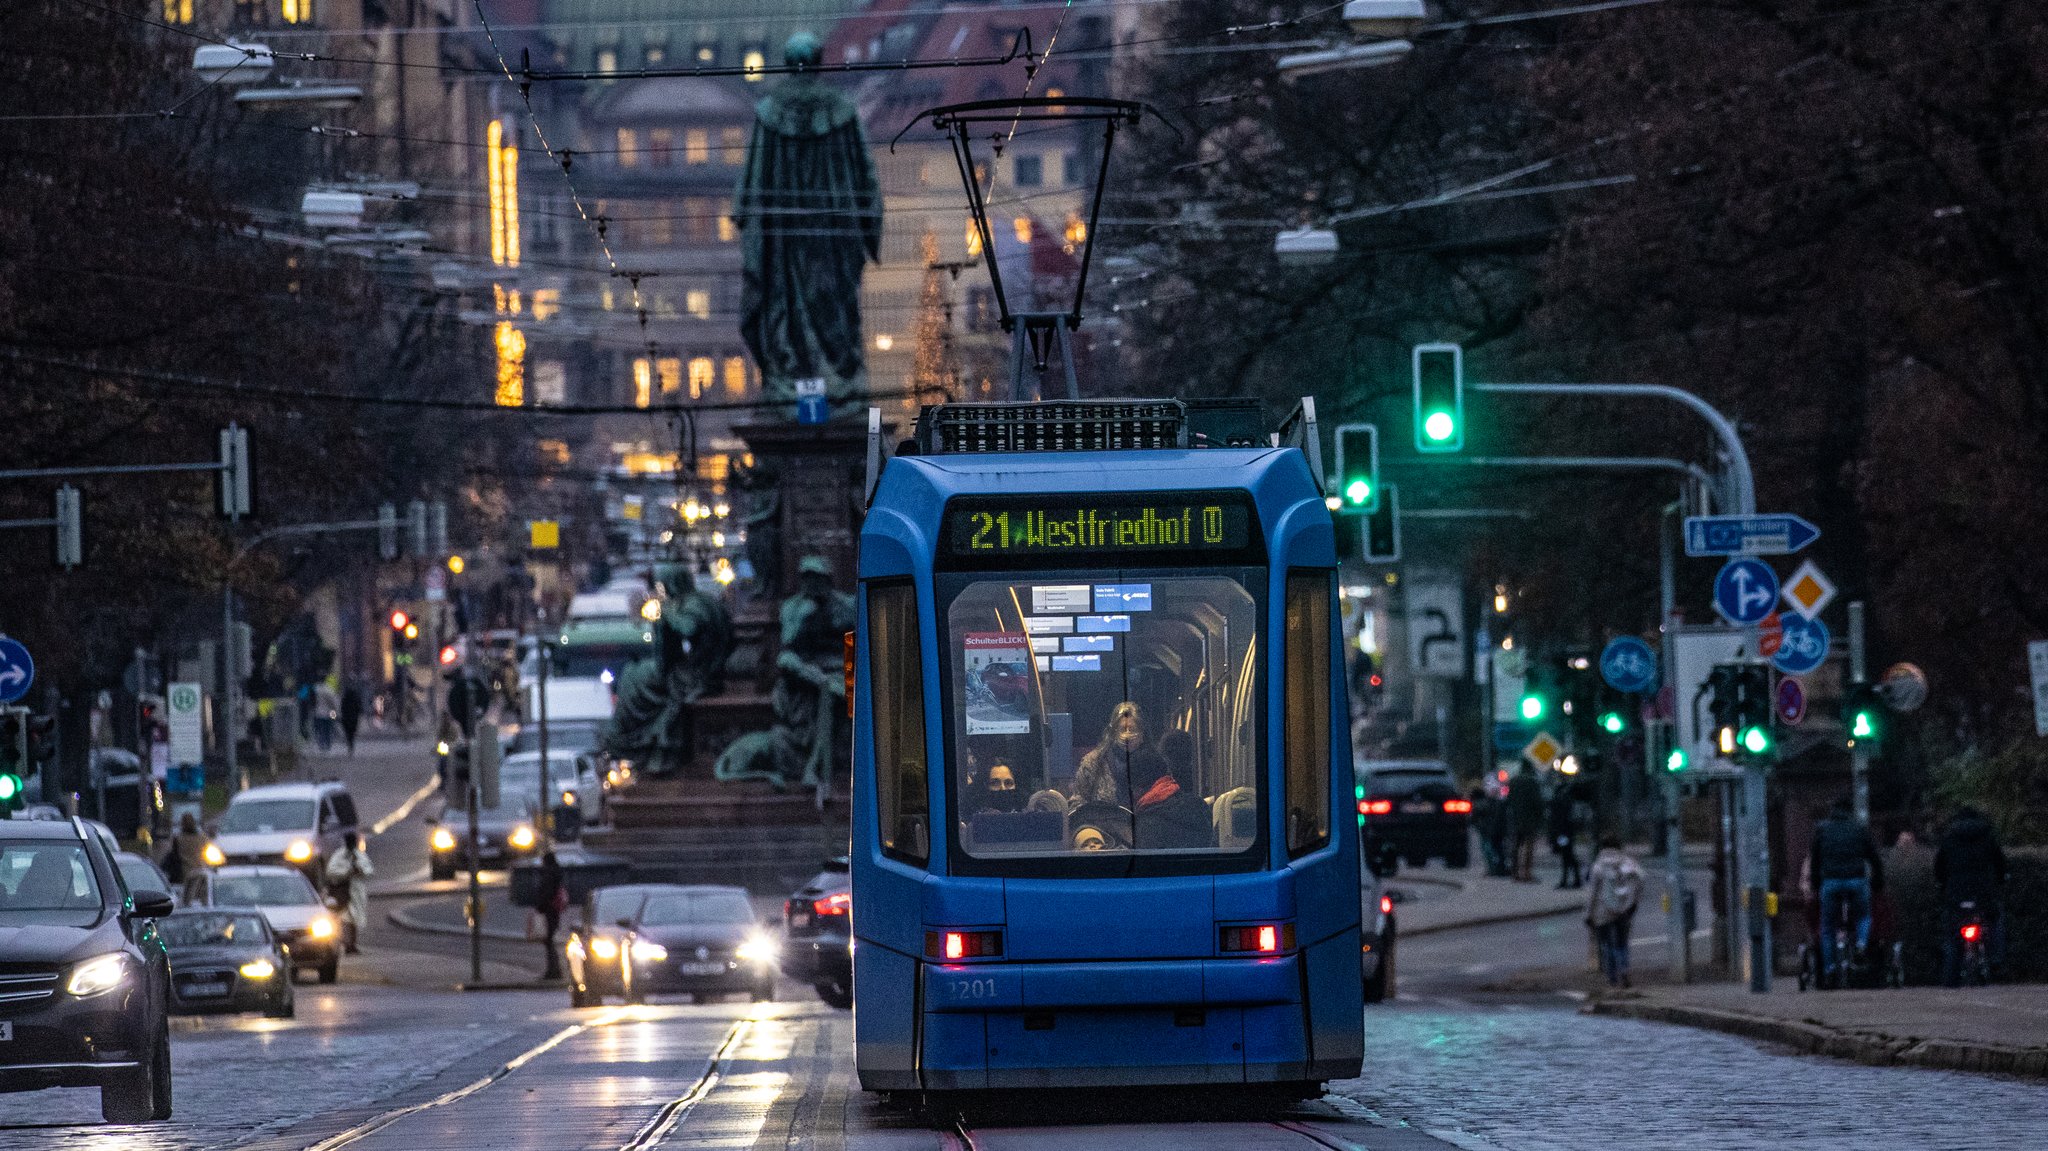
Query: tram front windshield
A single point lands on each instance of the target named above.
(1105, 716)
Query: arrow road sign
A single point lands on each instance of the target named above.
(1765, 535)
(1628, 664)
(1745, 591)
(1805, 646)
(17, 670)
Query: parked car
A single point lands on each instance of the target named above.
(505, 834)
(228, 959)
(287, 899)
(817, 926)
(84, 973)
(1414, 813)
(299, 824)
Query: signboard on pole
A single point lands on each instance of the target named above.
(811, 405)
(1805, 646)
(17, 670)
(1791, 701)
(1765, 535)
(1694, 652)
(184, 706)
(1436, 630)
(1628, 664)
(1745, 591)
(1808, 591)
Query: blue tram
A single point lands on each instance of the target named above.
(1102, 773)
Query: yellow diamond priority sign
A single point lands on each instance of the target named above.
(544, 534)
(1543, 750)
(1808, 591)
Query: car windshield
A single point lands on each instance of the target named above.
(696, 907)
(560, 767)
(267, 815)
(271, 889)
(614, 904)
(577, 660)
(1104, 713)
(47, 882)
(137, 873)
(212, 930)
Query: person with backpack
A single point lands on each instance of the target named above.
(1846, 869)
(348, 871)
(1617, 887)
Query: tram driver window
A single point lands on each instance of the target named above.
(1307, 705)
(1105, 713)
(897, 679)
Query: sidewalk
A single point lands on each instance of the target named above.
(443, 915)
(1439, 899)
(2001, 1029)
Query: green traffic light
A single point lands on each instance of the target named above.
(1676, 760)
(1358, 491)
(1756, 740)
(1532, 707)
(1862, 727)
(1612, 722)
(10, 786)
(1439, 426)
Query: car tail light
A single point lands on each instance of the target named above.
(1259, 938)
(963, 944)
(1970, 931)
(1386, 905)
(1458, 806)
(838, 903)
(1375, 807)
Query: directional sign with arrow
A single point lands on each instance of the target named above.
(1765, 535)
(17, 670)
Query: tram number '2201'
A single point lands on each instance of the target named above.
(967, 990)
(1094, 529)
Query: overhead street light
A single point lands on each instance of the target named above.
(1342, 59)
(1384, 17)
(1306, 246)
(303, 96)
(232, 63)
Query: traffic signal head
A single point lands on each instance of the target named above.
(1612, 723)
(1381, 527)
(399, 619)
(1532, 708)
(10, 788)
(1439, 378)
(1676, 761)
(412, 631)
(1863, 714)
(456, 564)
(449, 655)
(1756, 740)
(1358, 466)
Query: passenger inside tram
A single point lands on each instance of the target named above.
(1107, 773)
(1171, 812)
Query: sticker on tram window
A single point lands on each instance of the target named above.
(1099, 623)
(1077, 663)
(1123, 597)
(1045, 644)
(1044, 662)
(998, 683)
(1049, 624)
(1060, 598)
(1074, 643)
(1107, 524)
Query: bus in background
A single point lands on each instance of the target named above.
(1102, 773)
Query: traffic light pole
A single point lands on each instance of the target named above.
(1859, 751)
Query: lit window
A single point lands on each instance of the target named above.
(752, 63)
(1076, 232)
(700, 376)
(973, 240)
(662, 305)
(643, 383)
(607, 59)
(733, 142)
(707, 52)
(1022, 226)
(606, 298)
(293, 11)
(669, 369)
(727, 230)
(550, 382)
(546, 302)
(655, 53)
(1030, 171)
(735, 376)
(697, 302)
(511, 365)
(661, 147)
(177, 11)
(629, 148)
(696, 146)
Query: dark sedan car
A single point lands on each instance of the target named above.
(1413, 813)
(505, 835)
(594, 945)
(817, 924)
(227, 959)
(84, 978)
(699, 940)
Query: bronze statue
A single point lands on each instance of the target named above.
(809, 698)
(810, 210)
(651, 721)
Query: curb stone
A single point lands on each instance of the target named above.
(1815, 1039)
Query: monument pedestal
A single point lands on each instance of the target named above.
(821, 469)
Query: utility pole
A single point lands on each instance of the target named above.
(1679, 946)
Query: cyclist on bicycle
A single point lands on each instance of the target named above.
(1971, 868)
(1846, 868)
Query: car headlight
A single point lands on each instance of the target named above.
(299, 852)
(259, 969)
(569, 799)
(99, 975)
(646, 952)
(213, 855)
(442, 839)
(603, 948)
(759, 949)
(321, 928)
(521, 837)
(575, 946)
(441, 747)
(614, 778)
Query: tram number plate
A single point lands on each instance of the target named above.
(1417, 808)
(970, 990)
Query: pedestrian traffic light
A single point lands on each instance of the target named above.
(1358, 466)
(1381, 527)
(1863, 716)
(1533, 707)
(1612, 723)
(1439, 377)
(1677, 761)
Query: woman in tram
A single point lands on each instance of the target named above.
(1124, 755)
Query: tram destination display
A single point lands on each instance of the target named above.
(1177, 522)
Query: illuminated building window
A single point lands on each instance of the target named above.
(177, 11)
(654, 50)
(753, 61)
(550, 382)
(511, 344)
(554, 452)
(502, 161)
(973, 240)
(629, 148)
(1076, 234)
(727, 230)
(606, 298)
(607, 59)
(296, 11)
(697, 302)
(546, 302)
(707, 51)
(1022, 226)
(735, 376)
(696, 146)
(732, 142)
(669, 370)
(643, 383)
(661, 147)
(661, 305)
(700, 376)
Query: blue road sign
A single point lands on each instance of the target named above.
(1628, 664)
(1767, 535)
(812, 405)
(1745, 591)
(17, 670)
(1805, 646)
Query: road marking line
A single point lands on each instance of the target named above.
(405, 809)
(679, 1109)
(371, 1126)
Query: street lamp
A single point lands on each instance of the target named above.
(232, 63)
(1384, 17)
(1305, 247)
(1344, 58)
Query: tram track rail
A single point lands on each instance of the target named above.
(678, 1109)
(959, 1135)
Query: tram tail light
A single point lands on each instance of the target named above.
(1458, 806)
(838, 903)
(963, 944)
(1259, 938)
(1375, 807)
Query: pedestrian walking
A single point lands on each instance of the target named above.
(551, 899)
(326, 711)
(1564, 836)
(348, 872)
(351, 713)
(187, 856)
(1525, 820)
(1617, 887)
